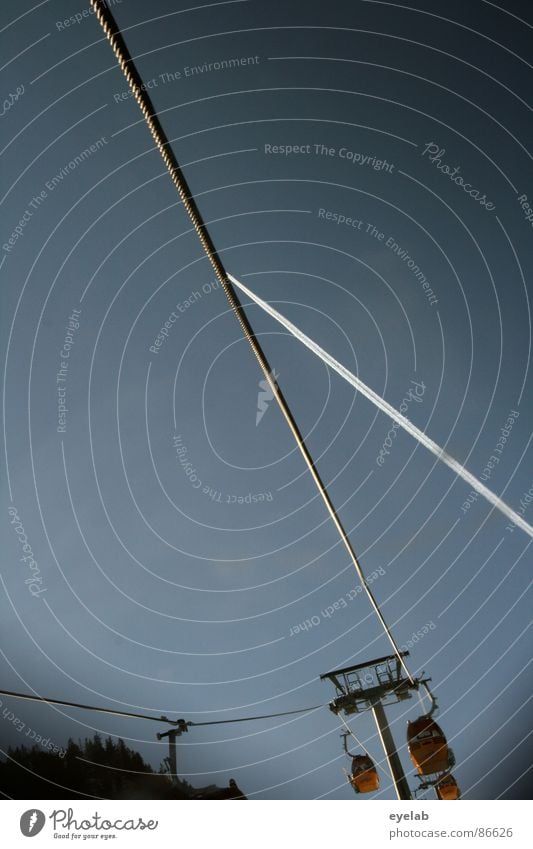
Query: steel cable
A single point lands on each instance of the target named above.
(134, 80)
(33, 698)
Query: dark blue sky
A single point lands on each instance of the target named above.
(176, 543)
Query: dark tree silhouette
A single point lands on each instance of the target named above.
(92, 768)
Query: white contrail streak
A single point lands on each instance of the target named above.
(382, 405)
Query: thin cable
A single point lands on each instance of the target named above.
(431, 698)
(32, 698)
(352, 733)
(134, 80)
(265, 716)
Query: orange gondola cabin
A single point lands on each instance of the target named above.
(448, 789)
(364, 777)
(427, 746)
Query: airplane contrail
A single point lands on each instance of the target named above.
(390, 411)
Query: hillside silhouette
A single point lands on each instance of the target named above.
(91, 768)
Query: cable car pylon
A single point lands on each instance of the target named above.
(371, 686)
(172, 733)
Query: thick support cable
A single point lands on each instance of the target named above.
(138, 91)
(29, 697)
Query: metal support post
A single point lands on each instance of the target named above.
(395, 766)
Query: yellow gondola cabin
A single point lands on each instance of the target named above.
(427, 746)
(448, 789)
(364, 777)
